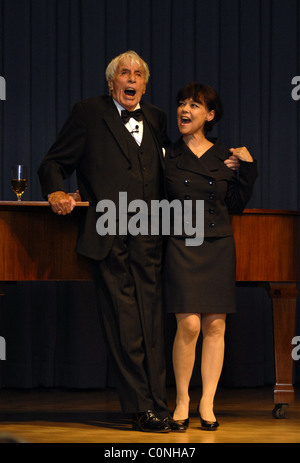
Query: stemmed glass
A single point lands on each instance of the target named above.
(19, 179)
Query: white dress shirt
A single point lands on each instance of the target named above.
(133, 126)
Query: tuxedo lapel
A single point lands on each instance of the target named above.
(116, 127)
(152, 126)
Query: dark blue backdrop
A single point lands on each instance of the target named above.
(54, 53)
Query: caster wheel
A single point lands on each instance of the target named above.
(279, 411)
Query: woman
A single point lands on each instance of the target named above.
(200, 280)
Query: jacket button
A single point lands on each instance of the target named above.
(212, 196)
(212, 224)
(187, 197)
(211, 181)
(211, 211)
(187, 182)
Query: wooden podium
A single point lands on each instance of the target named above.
(37, 245)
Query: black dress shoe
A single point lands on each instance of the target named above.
(176, 425)
(149, 422)
(207, 425)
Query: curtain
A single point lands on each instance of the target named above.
(54, 53)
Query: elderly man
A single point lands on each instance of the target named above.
(114, 151)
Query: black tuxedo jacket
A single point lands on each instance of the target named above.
(93, 142)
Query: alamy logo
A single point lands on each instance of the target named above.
(154, 221)
(296, 350)
(2, 88)
(296, 89)
(2, 348)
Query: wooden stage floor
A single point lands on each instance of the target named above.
(93, 416)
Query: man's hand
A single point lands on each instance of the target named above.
(61, 203)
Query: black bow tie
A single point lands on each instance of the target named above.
(126, 115)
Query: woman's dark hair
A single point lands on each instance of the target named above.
(205, 95)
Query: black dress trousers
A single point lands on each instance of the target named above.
(128, 284)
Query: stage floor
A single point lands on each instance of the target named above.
(93, 416)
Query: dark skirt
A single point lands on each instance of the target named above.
(200, 279)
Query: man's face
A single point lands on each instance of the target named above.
(128, 84)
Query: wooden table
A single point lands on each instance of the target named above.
(37, 245)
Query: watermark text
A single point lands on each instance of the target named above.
(2, 88)
(296, 350)
(296, 89)
(2, 348)
(163, 216)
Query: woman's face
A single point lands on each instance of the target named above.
(191, 116)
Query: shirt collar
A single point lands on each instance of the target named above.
(120, 108)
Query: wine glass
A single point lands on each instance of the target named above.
(19, 179)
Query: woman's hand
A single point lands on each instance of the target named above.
(242, 154)
(232, 162)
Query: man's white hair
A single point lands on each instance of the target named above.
(130, 55)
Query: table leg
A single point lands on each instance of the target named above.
(284, 297)
(2, 340)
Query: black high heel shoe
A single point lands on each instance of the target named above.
(207, 425)
(184, 423)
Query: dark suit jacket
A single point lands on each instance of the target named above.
(209, 179)
(92, 142)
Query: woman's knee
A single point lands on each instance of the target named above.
(189, 326)
(214, 326)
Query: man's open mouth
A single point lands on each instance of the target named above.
(130, 91)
